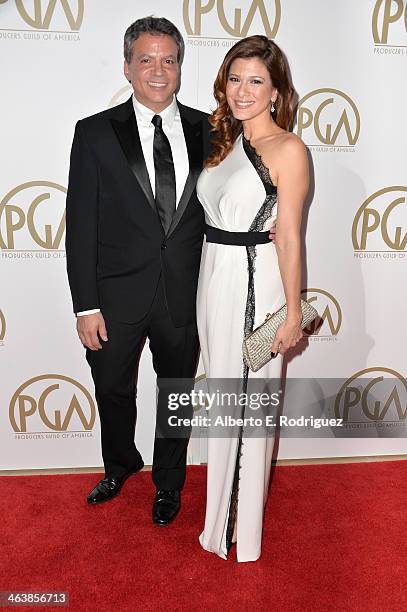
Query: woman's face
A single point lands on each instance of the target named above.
(249, 89)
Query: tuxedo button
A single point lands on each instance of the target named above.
(164, 245)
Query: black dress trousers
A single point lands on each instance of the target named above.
(114, 368)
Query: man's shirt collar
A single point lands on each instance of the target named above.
(145, 114)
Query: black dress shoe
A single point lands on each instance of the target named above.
(110, 487)
(166, 506)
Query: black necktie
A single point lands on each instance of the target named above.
(165, 194)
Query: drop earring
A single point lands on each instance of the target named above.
(272, 109)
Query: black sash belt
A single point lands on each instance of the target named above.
(214, 234)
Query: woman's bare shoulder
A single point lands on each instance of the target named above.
(286, 142)
(280, 148)
(281, 141)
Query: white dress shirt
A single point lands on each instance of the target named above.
(172, 128)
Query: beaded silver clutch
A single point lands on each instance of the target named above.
(257, 345)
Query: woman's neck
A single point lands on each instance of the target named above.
(258, 127)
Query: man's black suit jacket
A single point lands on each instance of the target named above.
(115, 245)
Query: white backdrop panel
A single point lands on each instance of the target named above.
(347, 62)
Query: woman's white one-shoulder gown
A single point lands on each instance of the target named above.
(238, 286)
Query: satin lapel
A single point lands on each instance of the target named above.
(128, 136)
(193, 139)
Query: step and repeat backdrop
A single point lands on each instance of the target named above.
(61, 60)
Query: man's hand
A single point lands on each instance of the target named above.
(88, 327)
(272, 234)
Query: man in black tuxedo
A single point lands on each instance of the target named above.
(134, 231)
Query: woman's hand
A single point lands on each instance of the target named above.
(287, 335)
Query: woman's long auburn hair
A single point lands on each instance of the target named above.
(225, 127)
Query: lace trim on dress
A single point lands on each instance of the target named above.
(257, 225)
(259, 165)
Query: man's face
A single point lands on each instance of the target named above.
(154, 70)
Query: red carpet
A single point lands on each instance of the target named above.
(334, 540)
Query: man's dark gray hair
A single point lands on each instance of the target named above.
(155, 26)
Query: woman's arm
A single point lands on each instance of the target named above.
(292, 185)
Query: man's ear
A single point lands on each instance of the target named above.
(126, 71)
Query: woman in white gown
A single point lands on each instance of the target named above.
(256, 165)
